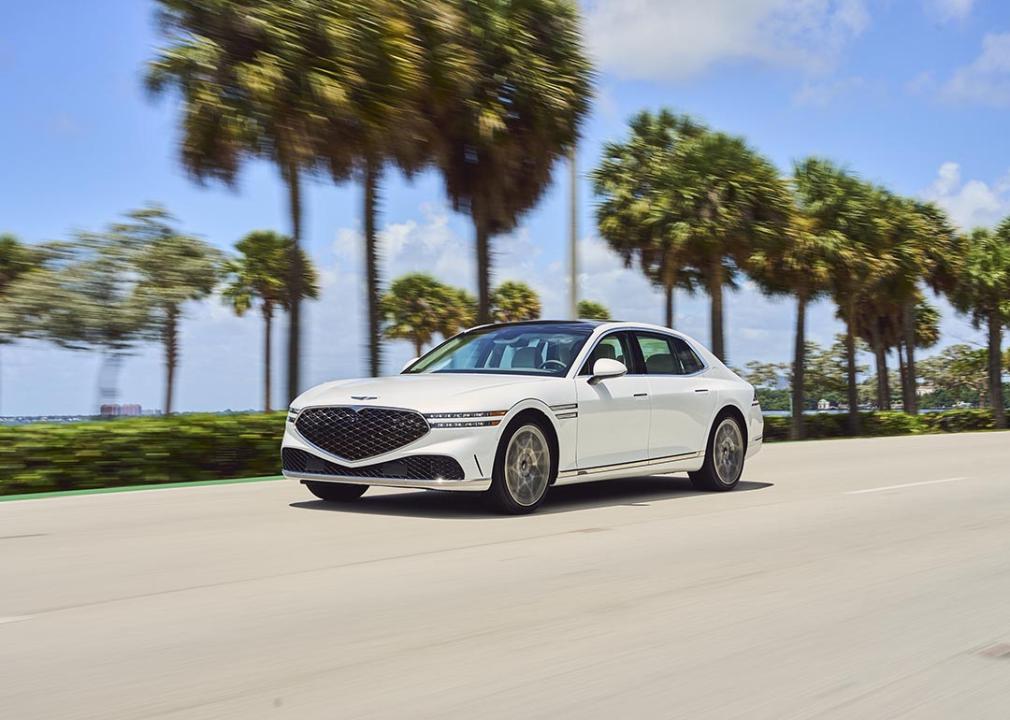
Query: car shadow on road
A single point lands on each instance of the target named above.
(567, 498)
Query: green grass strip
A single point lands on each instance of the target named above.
(132, 488)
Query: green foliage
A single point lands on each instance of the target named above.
(417, 306)
(592, 310)
(514, 301)
(880, 424)
(138, 451)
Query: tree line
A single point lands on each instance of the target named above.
(697, 209)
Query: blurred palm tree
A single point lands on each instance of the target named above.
(592, 310)
(500, 134)
(261, 273)
(983, 292)
(250, 87)
(638, 213)
(514, 302)
(417, 306)
(172, 269)
(17, 260)
(796, 263)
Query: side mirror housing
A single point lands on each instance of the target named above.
(408, 364)
(606, 368)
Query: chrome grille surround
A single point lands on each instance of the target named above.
(357, 433)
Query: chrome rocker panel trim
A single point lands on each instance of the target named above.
(473, 485)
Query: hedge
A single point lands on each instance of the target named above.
(138, 451)
(882, 424)
(188, 448)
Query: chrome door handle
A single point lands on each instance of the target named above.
(641, 394)
(701, 389)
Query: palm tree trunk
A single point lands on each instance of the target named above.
(908, 325)
(903, 373)
(850, 368)
(483, 270)
(715, 283)
(796, 430)
(372, 174)
(295, 275)
(268, 334)
(671, 314)
(171, 340)
(996, 370)
(418, 348)
(883, 392)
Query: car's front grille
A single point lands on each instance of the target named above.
(359, 433)
(417, 467)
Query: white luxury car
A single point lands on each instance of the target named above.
(511, 409)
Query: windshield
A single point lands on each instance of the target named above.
(524, 349)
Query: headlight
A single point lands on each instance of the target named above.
(481, 418)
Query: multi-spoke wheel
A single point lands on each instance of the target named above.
(724, 457)
(523, 468)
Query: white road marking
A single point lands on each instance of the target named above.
(906, 485)
(14, 618)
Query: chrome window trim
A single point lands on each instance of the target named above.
(705, 366)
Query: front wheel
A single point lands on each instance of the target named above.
(523, 468)
(335, 492)
(724, 457)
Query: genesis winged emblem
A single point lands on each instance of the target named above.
(364, 397)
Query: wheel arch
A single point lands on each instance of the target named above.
(532, 411)
(731, 410)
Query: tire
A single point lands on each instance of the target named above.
(724, 457)
(524, 467)
(335, 492)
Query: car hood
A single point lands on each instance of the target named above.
(448, 392)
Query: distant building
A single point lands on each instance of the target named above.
(823, 404)
(132, 410)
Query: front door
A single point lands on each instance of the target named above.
(613, 413)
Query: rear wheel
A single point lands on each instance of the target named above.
(523, 468)
(724, 457)
(335, 492)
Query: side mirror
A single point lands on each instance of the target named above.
(606, 368)
(409, 363)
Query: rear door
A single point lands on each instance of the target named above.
(682, 401)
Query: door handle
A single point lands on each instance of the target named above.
(701, 389)
(641, 394)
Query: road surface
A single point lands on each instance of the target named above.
(844, 579)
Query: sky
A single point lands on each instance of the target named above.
(912, 94)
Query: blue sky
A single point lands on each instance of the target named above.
(913, 94)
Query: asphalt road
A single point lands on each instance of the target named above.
(844, 579)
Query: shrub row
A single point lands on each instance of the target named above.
(188, 448)
(882, 424)
(138, 451)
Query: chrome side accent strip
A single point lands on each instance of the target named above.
(596, 469)
(569, 406)
(567, 416)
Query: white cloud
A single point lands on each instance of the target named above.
(822, 94)
(948, 10)
(986, 80)
(675, 39)
(970, 203)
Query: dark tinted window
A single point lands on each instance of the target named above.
(658, 355)
(614, 347)
(689, 360)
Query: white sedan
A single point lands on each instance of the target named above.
(510, 410)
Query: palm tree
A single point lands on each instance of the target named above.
(250, 88)
(17, 260)
(735, 201)
(592, 310)
(797, 263)
(981, 292)
(417, 306)
(501, 132)
(262, 273)
(172, 269)
(638, 212)
(514, 302)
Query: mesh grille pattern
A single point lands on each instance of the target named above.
(359, 434)
(418, 467)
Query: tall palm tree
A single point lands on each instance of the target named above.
(514, 301)
(638, 212)
(172, 269)
(735, 201)
(17, 260)
(261, 274)
(417, 306)
(250, 87)
(501, 132)
(797, 263)
(982, 291)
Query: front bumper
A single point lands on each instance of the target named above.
(473, 448)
